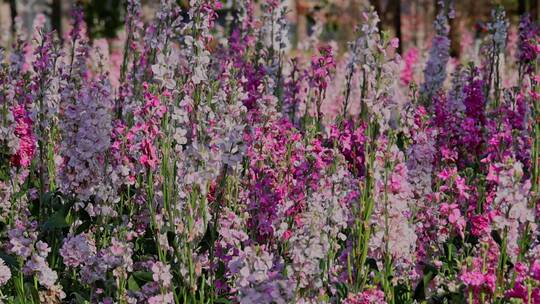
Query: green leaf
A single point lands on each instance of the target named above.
(496, 237)
(55, 201)
(372, 264)
(132, 284)
(32, 291)
(420, 291)
(223, 301)
(342, 290)
(10, 261)
(79, 298)
(145, 276)
(18, 300)
(56, 221)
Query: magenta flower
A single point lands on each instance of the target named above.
(473, 279)
(410, 59)
(321, 67)
(148, 157)
(27, 141)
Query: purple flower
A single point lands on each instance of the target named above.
(528, 33)
(77, 250)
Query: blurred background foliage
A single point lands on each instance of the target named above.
(409, 20)
(104, 17)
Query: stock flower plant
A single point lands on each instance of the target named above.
(207, 163)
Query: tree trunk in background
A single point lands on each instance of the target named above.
(397, 23)
(382, 12)
(377, 7)
(522, 7)
(13, 12)
(533, 7)
(26, 10)
(390, 16)
(301, 21)
(56, 17)
(415, 27)
(427, 11)
(455, 47)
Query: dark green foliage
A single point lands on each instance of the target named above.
(104, 17)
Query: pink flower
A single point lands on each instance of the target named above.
(365, 15)
(411, 57)
(535, 270)
(490, 281)
(462, 187)
(473, 279)
(370, 296)
(519, 291)
(27, 141)
(447, 173)
(287, 234)
(480, 225)
(493, 173)
(394, 42)
(454, 216)
(321, 66)
(149, 157)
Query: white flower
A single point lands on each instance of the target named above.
(5, 273)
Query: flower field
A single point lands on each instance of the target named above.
(205, 161)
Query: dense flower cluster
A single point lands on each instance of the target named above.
(27, 143)
(205, 162)
(372, 296)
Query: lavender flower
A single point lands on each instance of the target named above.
(21, 239)
(439, 54)
(86, 129)
(38, 265)
(511, 203)
(257, 279)
(394, 233)
(162, 274)
(322, 225)
(499, 27)
(77, 250)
